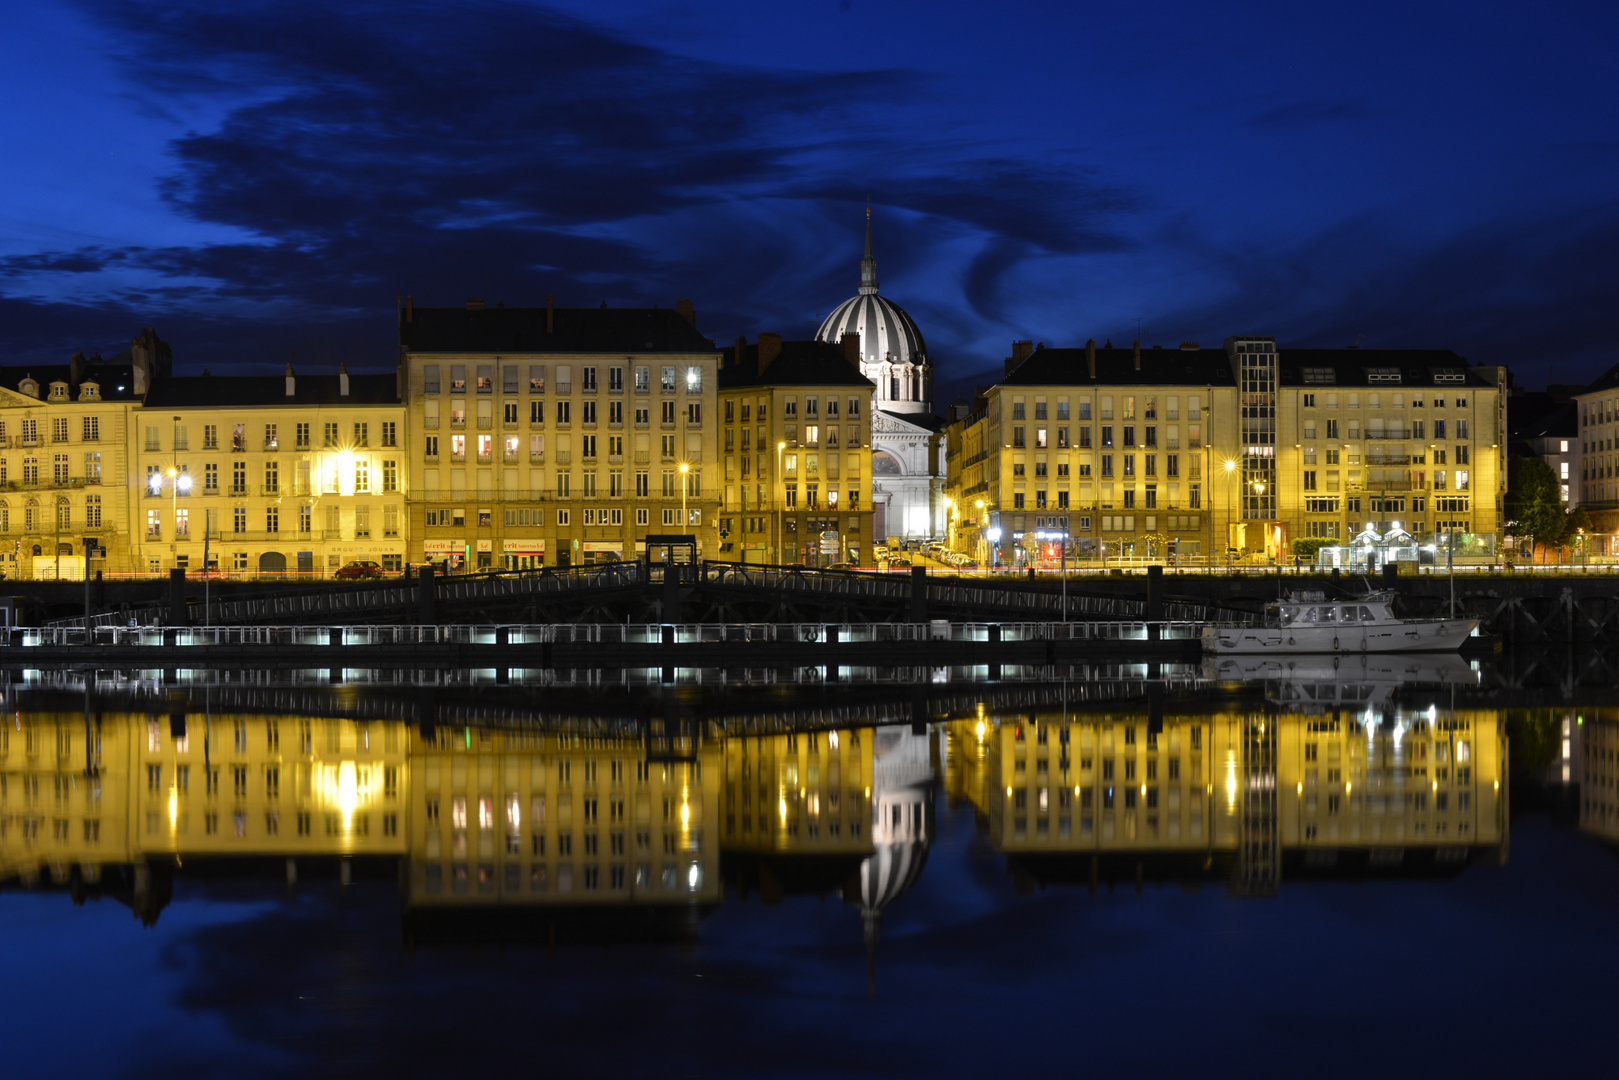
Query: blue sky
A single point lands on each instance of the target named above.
(259, 180)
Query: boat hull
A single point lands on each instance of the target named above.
(1435, 635)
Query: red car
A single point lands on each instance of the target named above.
(359, 571)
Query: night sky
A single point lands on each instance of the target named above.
(255, 180)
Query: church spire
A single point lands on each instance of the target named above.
(868, 265)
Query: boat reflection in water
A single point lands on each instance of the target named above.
(596, 830)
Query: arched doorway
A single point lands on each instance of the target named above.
(272, 562)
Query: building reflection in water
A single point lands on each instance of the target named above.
(520, 834)
(1331, 775)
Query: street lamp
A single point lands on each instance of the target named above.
(1230, 468)
(781, 497)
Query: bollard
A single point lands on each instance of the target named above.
(177, 598)
(919, 594)
(426, 594)
(1155, 594)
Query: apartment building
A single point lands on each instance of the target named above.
(557, 436)
(1225, 452)
(796, 417)
(63, 496)
(272, 474)
(1106, 445)
(1597, 410)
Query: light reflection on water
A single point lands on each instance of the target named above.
(613, 807)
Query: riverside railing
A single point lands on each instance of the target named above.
(604, 634)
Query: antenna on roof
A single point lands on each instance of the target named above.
(1138, 327)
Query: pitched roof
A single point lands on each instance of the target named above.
(1608, 380)
(201, 391)
(573, 330)
(1116, 367)
(117, 381)
(800, 363)
(1375, 367)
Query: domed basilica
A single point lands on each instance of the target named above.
(907, 451)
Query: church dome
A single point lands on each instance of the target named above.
(893, 353)
(886, 332)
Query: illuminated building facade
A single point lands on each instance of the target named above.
(63, 468)
(797, 452)
(1597, 464)
(273, 474)
(557, 436)
(1243, 449)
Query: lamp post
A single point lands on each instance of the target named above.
(1259, 493)
(781, 497)
(981, 523)
(685, 469)
(1230, 469)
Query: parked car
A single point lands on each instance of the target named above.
(359, 570)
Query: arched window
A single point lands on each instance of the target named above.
(64, 513)
(885, 464)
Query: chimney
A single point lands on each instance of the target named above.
(550, 314)
(769, 349)
(851, 348)
(292, 384)
(1021, 351)
(1090, 356)
(1138, 354)
(741, 351)
(75, 369)
(1189, 346)
(687, 312)
(342, 379)
(475, 303)
(410, 309)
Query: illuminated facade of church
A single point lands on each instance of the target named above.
(907, 451)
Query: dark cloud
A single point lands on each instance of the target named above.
(1536, 295)
(87, 260)
(507, 151)
(1309, 113)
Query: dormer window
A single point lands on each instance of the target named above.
(58, 391)
(89, 391)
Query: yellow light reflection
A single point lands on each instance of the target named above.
(980, 731)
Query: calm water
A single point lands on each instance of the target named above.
(1403, 867)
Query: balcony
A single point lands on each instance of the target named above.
(430, 423)
(485, 459)
(536, 458)
(485, 423)
(272, 490)
(643, 457)
(510, 457)
(564, 457)
(270, 446)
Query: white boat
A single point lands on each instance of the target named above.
(1307, 622)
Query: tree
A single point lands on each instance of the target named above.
(1534, 506)
(1305, 547)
